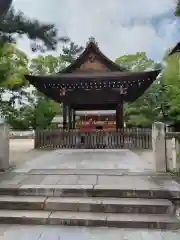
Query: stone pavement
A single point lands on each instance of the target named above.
(85, 173)
(22, 150)
(88, 179)
(124, 160)
(15, 232)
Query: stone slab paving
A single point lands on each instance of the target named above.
(124, 160)
(150, 181)
(15, 232)
(22, 150)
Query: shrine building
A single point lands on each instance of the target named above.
(93, 83)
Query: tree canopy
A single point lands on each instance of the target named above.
(144, 110)
(23, 106)
(177, 12)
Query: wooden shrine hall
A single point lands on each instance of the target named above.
(93, 82)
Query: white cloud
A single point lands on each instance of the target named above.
(119, 26)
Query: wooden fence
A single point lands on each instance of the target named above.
(124, 138)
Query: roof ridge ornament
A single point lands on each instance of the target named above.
(92, 40)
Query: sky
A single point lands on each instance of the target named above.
(119, 26)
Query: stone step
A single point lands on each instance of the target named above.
(89, 219)
(104, 172)
(105, 205)
(87, 191)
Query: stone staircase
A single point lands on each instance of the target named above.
(86, 206)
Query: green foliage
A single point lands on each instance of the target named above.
(46, 65)
(33, 116)
(161, 102)
(38, 111)
(42, 108)
(13, 66)
(15, 24)
(177, 12)
(171, 77)
(71, 52)
(146, 109)
(14, 63)
(44, 112)
(136, 62)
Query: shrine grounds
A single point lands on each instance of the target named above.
(24, 157)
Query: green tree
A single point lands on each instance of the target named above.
(177, 12)
(46, 65)
(171, 75)
(71, 52)
(42, 108)
(13, 92)
(25, 109)
(33, 116)
(15, 24)
(14, 64)
(136, 62)
(147, 108)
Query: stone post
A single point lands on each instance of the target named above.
(159, 146)
(4, 147)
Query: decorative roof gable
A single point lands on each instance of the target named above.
(93, 60)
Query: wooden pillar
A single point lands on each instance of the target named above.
(119, 116)
(74, 118)
(64, 116)
(122, 115)
(70, 117)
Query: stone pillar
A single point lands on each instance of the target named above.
(4, 147)
(172, 147)
(174, 154)
(64, 116)
(159, 146)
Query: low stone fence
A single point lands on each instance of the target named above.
(173, 150)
